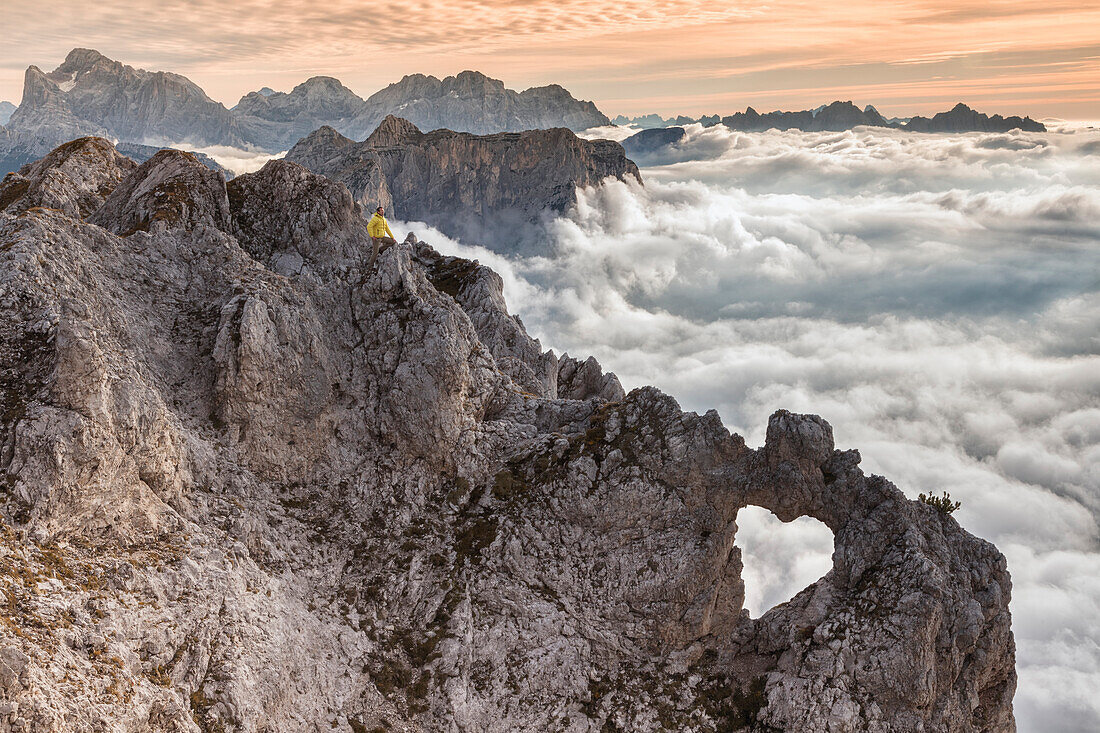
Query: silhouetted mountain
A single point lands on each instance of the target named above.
(844, 116)
(836, 116)
(963, 119)
(6, 108)
(646, 142)
(652, 121)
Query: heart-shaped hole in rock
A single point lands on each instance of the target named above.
(780, 559)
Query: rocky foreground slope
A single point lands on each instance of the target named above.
(480, 188)
(248, 485)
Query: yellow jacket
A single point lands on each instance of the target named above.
(377, 226)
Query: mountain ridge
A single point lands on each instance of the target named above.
(90, 94)
(480, 188)
(843, 115)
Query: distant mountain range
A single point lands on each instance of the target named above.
(654, 121)
(844, 116)
(90, 94)
(468, 102)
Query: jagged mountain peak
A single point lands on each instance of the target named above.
(83, 59)
(325, 136)
(393, 130)
(327, 83)
(92, 94)
(303, 109)
(466, 79)
(171, 190)
(474, 102)
(844, 115)
(74, 178)
(473, 81)
(487, 189)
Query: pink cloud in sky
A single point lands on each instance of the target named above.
(629, 56)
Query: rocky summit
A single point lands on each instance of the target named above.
(249, 484)
(485, 189)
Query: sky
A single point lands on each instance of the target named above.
(629, 56)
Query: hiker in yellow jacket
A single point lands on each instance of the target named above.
(379, 232)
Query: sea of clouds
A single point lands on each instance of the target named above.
(236, 160)
(935, 297)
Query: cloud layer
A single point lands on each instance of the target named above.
(936, 298)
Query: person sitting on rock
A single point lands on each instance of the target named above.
(379, 231)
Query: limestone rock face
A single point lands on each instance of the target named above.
(171, 189)
(468, 102)
(75, 178)
(278, 120)
(249, 483)
(90, 94)
(483, 189)
(473, 102)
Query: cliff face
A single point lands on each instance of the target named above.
(278, 120)
(469, 186)
(249, 485)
